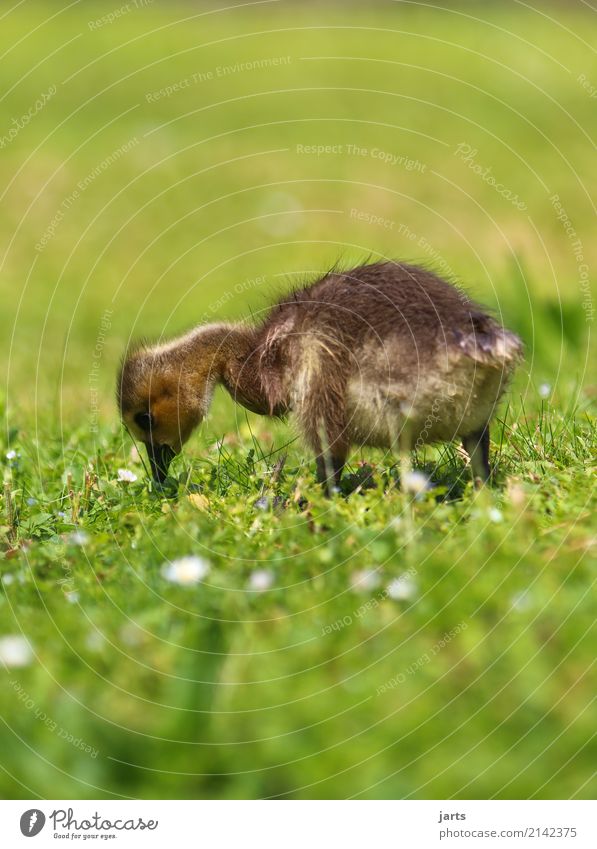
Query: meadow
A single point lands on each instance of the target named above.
(237, 634)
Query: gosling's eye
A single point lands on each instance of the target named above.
(144, 421)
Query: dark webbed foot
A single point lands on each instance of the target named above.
(476, 446)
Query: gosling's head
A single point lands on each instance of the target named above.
(161, 401)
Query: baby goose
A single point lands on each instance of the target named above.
(386, 354)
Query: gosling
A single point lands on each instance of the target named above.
(386, 355)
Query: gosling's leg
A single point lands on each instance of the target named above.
(331, 450)
(405, 445)
(476, 446)
(330, 466)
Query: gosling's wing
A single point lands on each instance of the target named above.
(485, 341)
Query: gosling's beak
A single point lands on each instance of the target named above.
(160, 457)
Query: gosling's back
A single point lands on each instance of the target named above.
(383, 344)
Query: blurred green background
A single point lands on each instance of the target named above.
(213, 193)
(167, 163)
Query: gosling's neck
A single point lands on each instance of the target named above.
(227, 354)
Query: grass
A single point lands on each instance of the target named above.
(369, 645)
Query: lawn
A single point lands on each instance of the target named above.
(176, 164)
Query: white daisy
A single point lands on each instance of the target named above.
(261, 580)
(15, 651)
(364, 580)
(11, 455)
(521, 601)
(545, 390)
(126, 476)
(78, 538)
(186, 570)
(415, 482)
(402, 588)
